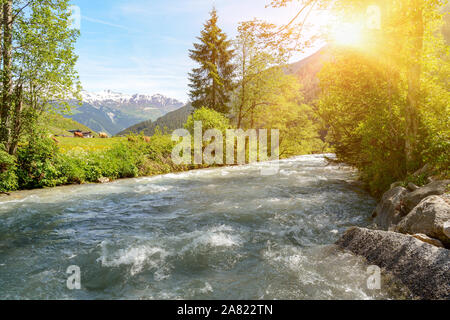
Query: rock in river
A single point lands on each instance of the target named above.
(429, 217)
(421, 267)
(388, 212)
(435, 188)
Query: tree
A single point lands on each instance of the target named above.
(253, 64)
(403, 37)
(212, 81)
(365, 124)
(387, 104)
(38, 65)
(266, 97)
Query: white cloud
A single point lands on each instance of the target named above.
(106, 23)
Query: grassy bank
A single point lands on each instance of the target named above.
(42, 162)
(68, 145)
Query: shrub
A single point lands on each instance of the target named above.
(210, 120)
(8, 177)
(39, 162)
(73, 170)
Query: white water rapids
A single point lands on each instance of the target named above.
(225, 233)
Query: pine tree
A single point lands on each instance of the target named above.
(212, 81)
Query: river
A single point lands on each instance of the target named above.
(225, 233)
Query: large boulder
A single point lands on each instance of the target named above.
(388, 212)
(447, 229)
(430, 217)
(421, 267)
(427, 239)
(435, 188)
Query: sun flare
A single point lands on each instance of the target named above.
(347, 34)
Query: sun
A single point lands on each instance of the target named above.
(347, 34)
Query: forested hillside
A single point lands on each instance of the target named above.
(307, 70)
(168, 123)
(102, 119)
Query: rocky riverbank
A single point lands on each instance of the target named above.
(410, 239)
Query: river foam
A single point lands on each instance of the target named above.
(225, 233)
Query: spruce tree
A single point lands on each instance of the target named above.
(212, 81)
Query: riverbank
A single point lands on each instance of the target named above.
(45, 163)
(410, 239)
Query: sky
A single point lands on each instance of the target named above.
(142, 46)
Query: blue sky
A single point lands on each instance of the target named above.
(141, 46)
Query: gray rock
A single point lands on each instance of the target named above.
(427, 239)
(412, 187)
(103, 180)
(447, 229)
(396, 184)
(388, 212)
(429, 218)
(435, 188)
(421, 267)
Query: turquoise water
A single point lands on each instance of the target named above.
(227, 233)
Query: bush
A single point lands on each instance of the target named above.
(39, 164)
(210, 120)
(73, 170)
(8, 177)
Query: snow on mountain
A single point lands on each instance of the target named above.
(111, 112)
(109, 96)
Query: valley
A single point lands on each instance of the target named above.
(112, 112)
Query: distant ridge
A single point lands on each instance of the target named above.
(112, 112)
(307, 70)
(172, 121)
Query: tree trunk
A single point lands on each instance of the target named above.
(17, 122)
(1, 38)
(244, 82)
(7, 72)
(414, 72)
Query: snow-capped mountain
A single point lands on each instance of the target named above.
(112, 112)
(157, 101)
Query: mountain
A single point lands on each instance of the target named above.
(138, 105)
(102, 119)
(307, 69)
(112, 112)
(172, 121)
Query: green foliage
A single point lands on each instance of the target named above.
(172, 121)
(56, 124)
(365, 125)
(212, 81)
(210, 119)
(267, 98)
(74, 171)
(363, 104)
(38, 66)
(8, 177)
(38, 164)
(418, 180)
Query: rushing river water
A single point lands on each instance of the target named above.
(227, 233)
